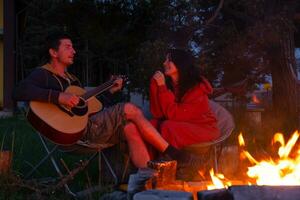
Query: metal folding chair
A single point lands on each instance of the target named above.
(213, 148)
(62, 169)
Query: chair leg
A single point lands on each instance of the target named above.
(41, 162)
(51, 157)
(90, 190)
(57, 168)
(55, 165)
(215, 157)
(127, 162)
(109, 167)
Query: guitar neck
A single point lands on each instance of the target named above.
(98, 90)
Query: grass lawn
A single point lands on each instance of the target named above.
(17, 135)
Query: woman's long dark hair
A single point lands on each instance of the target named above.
(189, 73)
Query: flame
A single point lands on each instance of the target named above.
(241, 140)
(255, 99)
(284, 170)
(218, 181)
(245, 154)
(285, 150)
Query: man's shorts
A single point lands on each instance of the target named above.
(105, 128)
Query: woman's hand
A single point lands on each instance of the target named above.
(159, 77)
(118, 84)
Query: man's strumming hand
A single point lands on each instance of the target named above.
(68, 99)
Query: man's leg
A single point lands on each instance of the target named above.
(137, 148)
(146, 129)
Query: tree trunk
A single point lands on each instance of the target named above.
(282, 62)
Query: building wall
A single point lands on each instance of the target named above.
(1, 12)
(1, 74)
(1, 55)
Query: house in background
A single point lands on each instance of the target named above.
(7, 56)
(1, 55)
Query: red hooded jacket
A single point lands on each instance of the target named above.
(189, 122)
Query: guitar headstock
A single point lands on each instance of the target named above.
(124, 77)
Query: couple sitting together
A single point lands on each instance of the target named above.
(178, 102)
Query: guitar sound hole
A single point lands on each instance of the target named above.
(81, 108)
(81, 103)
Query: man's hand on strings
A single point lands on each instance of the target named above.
(117, 85)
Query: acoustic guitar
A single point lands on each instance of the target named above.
(63, 125)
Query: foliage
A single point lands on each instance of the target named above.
(243, 40)
(150, 59)
(253, 39)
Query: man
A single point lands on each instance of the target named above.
(48, 83)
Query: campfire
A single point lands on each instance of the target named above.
(273, 175)
(284, 170)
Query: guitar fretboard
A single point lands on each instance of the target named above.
(98, 90)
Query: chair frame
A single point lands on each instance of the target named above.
(215, 146)
(58, 168)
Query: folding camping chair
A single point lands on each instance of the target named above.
(62, 169)
(213, 148)
(80, 148)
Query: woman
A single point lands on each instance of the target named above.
(180, 109)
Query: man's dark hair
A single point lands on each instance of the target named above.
(53, 42)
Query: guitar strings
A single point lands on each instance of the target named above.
(99, 89)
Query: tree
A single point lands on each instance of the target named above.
(257, 36)
(232, 39)
(107, 34)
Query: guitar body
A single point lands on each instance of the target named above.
(56, 124)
